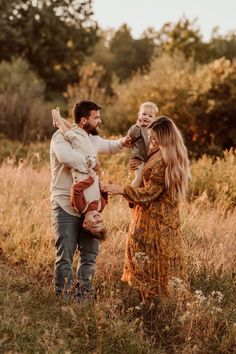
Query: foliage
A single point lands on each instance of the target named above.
(34, 321)
(212, 179)
(120, 56)
(23, 110)
(192, 81)
(104, 58)
(199, 98)
(33, 154)
(223, 46)
(54, 36)
(129, 54)
(89, 85)
(183, 36)
(214, 107)
(215, 179)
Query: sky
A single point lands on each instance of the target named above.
(140, 14)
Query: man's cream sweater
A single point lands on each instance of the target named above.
(63, 158)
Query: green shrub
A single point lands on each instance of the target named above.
(23, 113)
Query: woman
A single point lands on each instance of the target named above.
(154, 249)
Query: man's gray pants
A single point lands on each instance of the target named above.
(69, 235)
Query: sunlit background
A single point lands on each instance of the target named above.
(182, 56)
(179, 54)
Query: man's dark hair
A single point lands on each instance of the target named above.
(83, 109)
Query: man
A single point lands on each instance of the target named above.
(67, 223)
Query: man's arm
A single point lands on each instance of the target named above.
(67, 155)
(106, 146)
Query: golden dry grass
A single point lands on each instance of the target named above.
(206, 324)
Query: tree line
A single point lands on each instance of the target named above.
(56, 47)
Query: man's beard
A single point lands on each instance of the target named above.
(91, 130)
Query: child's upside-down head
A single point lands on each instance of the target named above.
(93, 224)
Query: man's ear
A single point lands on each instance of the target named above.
(83, 120)
(84, 224)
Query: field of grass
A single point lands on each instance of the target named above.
(32, 320)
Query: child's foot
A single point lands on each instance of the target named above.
(56, 117)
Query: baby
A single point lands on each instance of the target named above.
(139, 134)
(85, 197)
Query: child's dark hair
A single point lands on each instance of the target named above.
(101, 235)
(83, 109)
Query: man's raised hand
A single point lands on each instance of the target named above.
(126, 141)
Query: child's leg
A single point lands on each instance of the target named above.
(60, 122)
(56, 117)
(138, 176)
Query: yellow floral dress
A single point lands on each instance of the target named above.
(154, 248)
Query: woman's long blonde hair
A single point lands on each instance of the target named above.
(174, 154)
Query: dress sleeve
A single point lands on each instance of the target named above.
(151, 189)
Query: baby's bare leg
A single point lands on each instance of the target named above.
(58, 121)
(138, 172)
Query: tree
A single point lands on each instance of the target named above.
(88, 85)
(130, 54)
(104, 58)
(53, 35)
(183, 36)
(23, 112)
(215, 108)
(223, 46)
(200, 99)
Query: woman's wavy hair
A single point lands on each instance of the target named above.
(175, 156)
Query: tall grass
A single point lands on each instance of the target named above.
(205, 324)
(216, 178)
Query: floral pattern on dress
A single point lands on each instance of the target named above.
(154, 247)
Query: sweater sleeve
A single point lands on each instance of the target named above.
(106, 146)
(67, 155)
(70, 136)
(151, 189)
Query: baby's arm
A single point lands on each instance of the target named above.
(134, 132)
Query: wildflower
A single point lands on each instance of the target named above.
(217, 295)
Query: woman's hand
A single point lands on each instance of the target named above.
(113, 189)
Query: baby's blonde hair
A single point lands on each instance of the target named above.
(151, 105)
